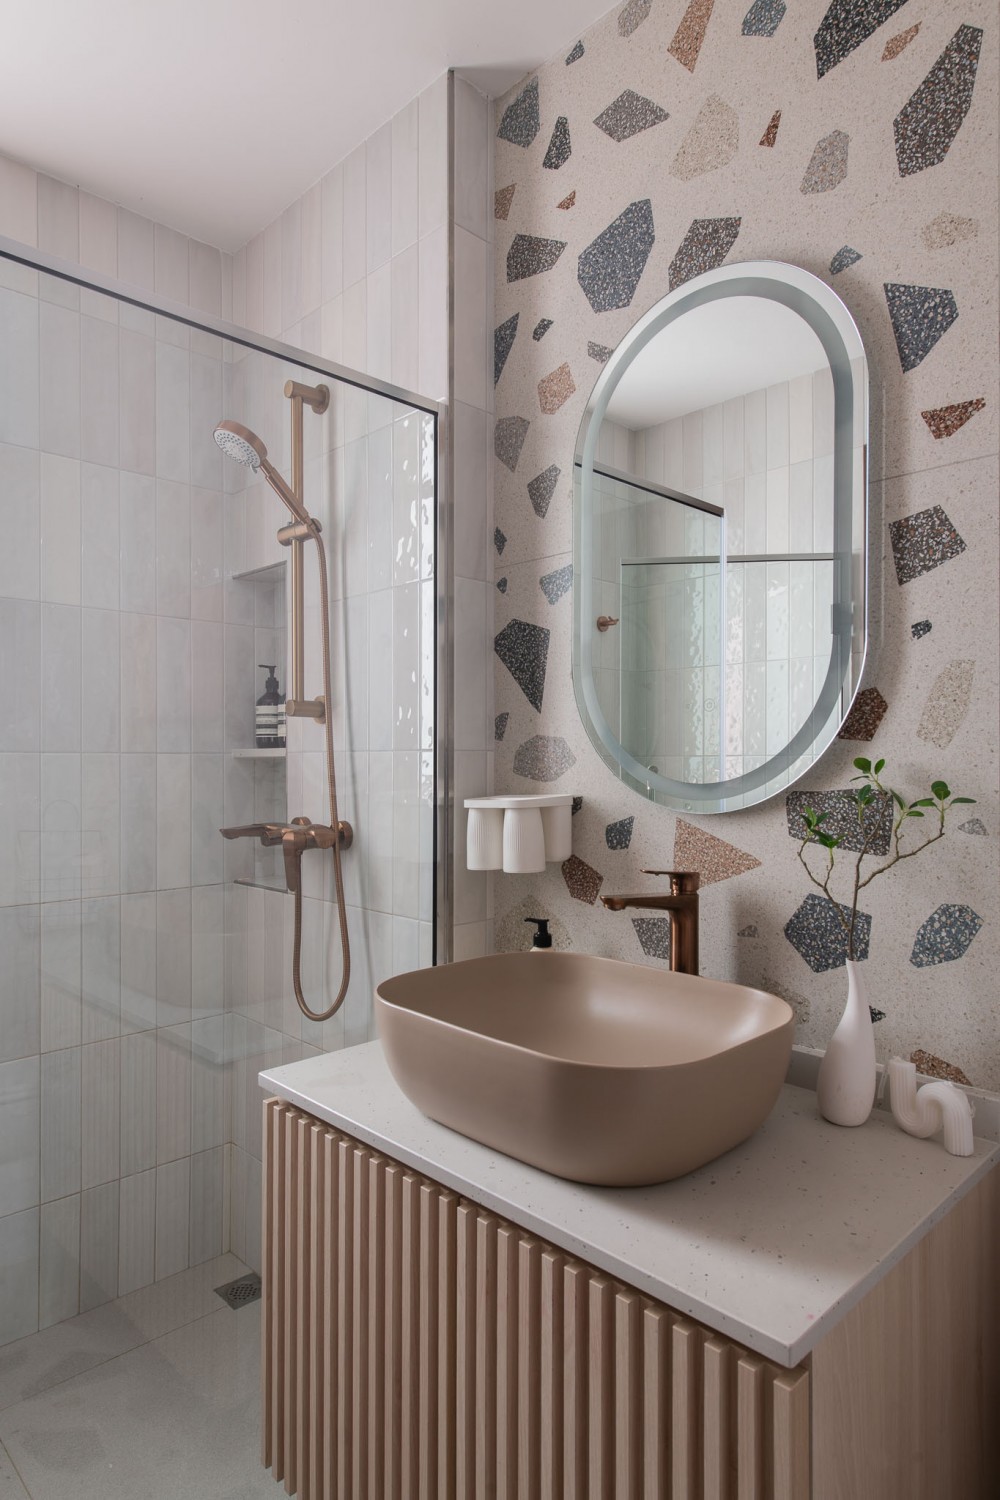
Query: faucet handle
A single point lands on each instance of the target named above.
(682, 882)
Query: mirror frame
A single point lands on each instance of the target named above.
(836, 330)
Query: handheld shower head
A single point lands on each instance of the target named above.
(237, 441)
(241, 443)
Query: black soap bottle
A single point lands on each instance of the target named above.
(270, 713)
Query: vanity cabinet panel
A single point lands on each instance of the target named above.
(417, 1346)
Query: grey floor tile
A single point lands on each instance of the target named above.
(66, 1350)
(177, 1419)
(11, 1487)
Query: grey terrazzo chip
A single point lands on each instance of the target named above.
(705, 246)
(530, 255)
(975, 826)
(920, 628)
(610, 267)
(845, 256)
(502, 585)
(841, 820)
(576, 54)
(876, 1015)
(599, 352)
(524, 650)
(541, 328)
(632, 15)
(846, 24)
(749, 931)
(764, 17)
(815, 933)
(929, 121)
(545, 757)
(542, 488)
(828, 164)
(920, 315)
(503, 343)
(577, 805)
(945, 936)
(500, 725)
(654, 935)
(560, 147)
(619, 835)
(923, 541)
(499, 540)
(628, 115)
(508, 440)
(521, 122)
(554, 585)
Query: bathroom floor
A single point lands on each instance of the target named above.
(154, 1395)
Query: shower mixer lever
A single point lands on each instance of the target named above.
(294, 837)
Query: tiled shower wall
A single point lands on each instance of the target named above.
(815, 135)
(113, 1128)
(358, 271)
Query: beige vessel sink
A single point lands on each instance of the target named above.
(595, 1070)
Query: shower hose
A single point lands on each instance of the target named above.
(331, 781)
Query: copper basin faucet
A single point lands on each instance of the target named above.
(681, 904)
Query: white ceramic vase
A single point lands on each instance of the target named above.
(846, 1086)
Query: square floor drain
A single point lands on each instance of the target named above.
(240, 1292)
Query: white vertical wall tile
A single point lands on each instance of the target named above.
(355, 255)
(472, 147)
(173, 957)
(99, 536)
(405, 303)
(60, 529)
(101, 1112)
(173, 1092)
(100, 662)
(19, 1145)
(136, 253)
(207, 1206)
(405, 131)
(173, 1197)
(19, 1283)
(205, 275)
(173, 434)
(138, 1102)
(137, 402)
(378, 197)
(59, 379)
(271, 312)
(378, 359)
(20, 999)
(60, 1123)
(433, 315)
(19, 373)
(433, 165)
(20, 670)
(101, 968)
(61, 960)
(100, 818)
(59, 1261)
(136, 1231)
(98, 1245)
(99, 397)
(60, 677)
(138, 823)
(20, 811)
(470, 654)
(173, 685)
(20, 519)
(471, 260)
(18, 202)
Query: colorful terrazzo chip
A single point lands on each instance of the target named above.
(945, 936)
(929, 121)
(554, 585)
(923, 541)
(524, 650)
(618, 835)
(544, 757)
(521, 123)
(582, 881)
(610, 267)
(628, 115)
(816, 934)
(541, 490)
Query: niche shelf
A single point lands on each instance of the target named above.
(259, 754)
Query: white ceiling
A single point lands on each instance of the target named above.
(213, 115)
(717, 351)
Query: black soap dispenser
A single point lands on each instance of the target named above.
(270, 713)
(542, 941)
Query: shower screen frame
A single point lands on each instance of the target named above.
(110, 286)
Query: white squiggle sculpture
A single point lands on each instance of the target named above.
(922, 1111)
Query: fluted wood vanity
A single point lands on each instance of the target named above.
(443, 1322)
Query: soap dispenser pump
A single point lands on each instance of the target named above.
(542, 940)
(270, 724)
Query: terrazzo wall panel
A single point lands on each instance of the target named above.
(857, 141)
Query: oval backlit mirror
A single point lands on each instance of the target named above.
(720, 525)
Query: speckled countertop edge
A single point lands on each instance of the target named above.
(770, 1245)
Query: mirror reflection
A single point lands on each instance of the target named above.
(720, 519)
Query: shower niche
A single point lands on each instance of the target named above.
(257, 778)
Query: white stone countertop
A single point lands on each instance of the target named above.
(770, 1245)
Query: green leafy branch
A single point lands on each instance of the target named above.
(874, 803)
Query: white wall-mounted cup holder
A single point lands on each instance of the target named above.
(519, 835)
